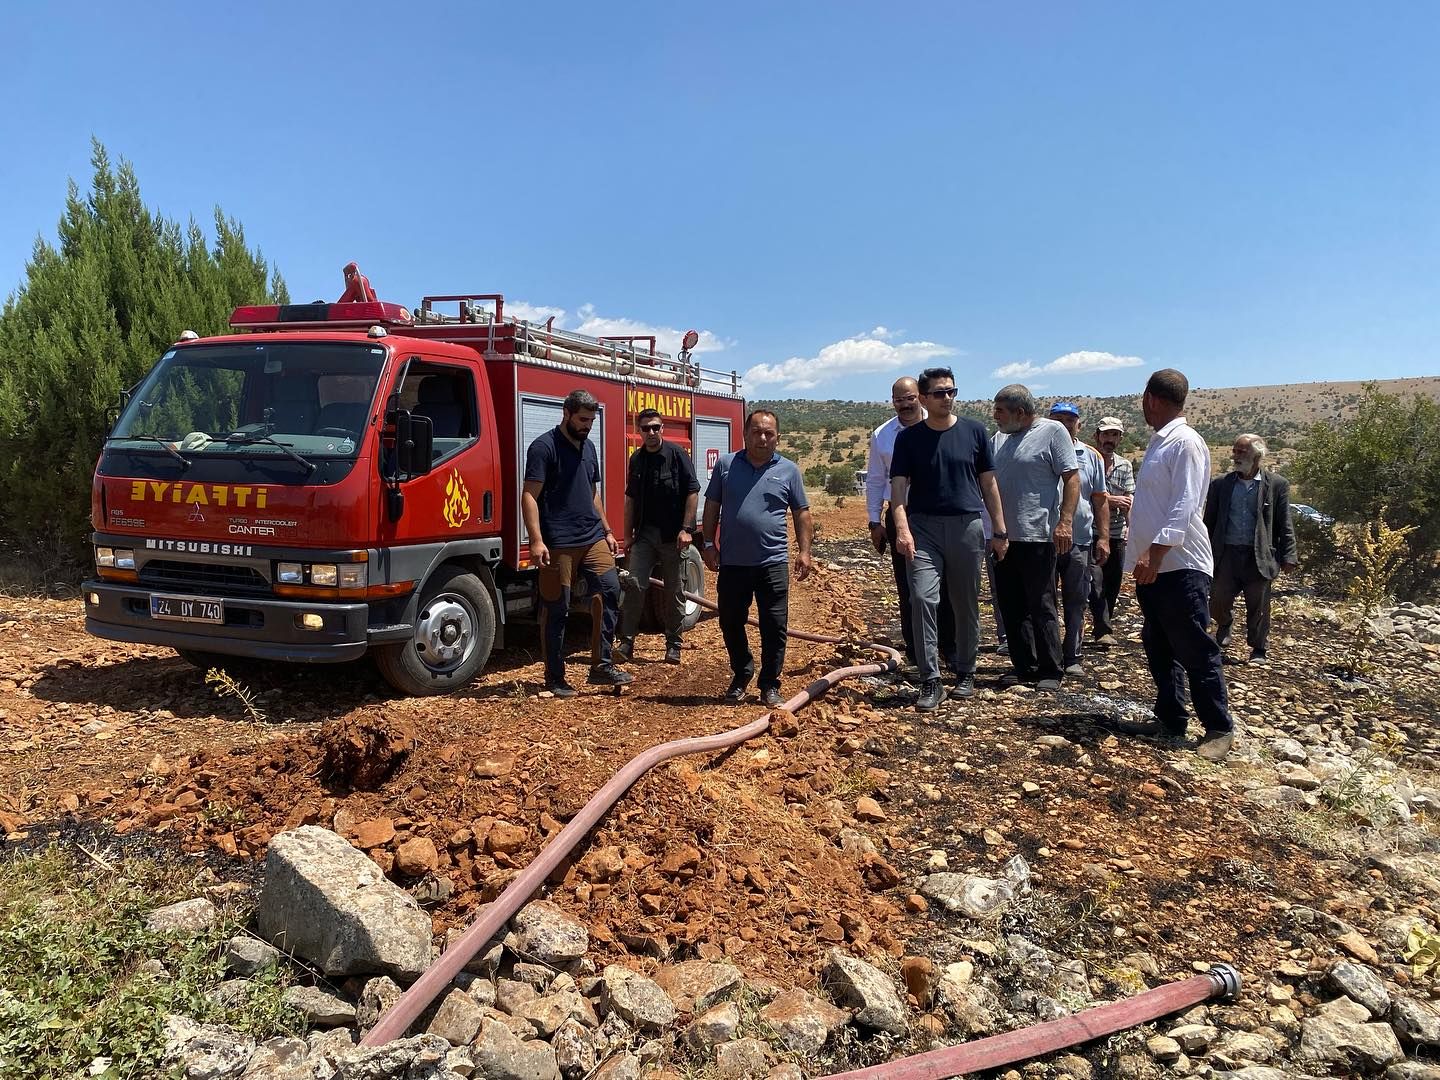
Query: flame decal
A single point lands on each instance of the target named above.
(457, 501)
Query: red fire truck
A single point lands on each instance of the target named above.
(337, 479)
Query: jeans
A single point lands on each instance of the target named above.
(566, 564)
(1178, 645)
(1026, 577)
(900, 566)
(948, 549)
(644, 555)
(1105, 588)
(1074, 569)
(769, 587)
(1236, 572)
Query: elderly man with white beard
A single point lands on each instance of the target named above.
(1247, 513)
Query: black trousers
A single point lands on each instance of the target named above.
(769, 587)
(1178, 645)
(900, 566)
(1105, 588)
(1236, 573)
(1026, 581)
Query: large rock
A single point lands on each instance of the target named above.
(1359, 983)
(741, 1058)
(1413, 1070)
(319, 1008)
(574, 1050)
(1417, 1025)
(637, 1000)
(499, 1055)
(279, 1059)
(541, 931)
(803, 1023)
(205, 1051)
(246, 956)
(330, 904)
(376, 996)
(714, 1026)
(695, 985)
(1340, 1035)
(866, 989)
(404, 1059)
(975, 896)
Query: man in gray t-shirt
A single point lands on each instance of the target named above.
(1035, 466)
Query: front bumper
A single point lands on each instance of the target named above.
(261, 628)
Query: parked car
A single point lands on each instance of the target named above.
(1309, 513)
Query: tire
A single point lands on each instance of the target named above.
(692, 580)
(454, 605)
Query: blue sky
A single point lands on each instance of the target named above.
(836, 193)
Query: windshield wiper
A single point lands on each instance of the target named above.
(186, 462)
(247, 438)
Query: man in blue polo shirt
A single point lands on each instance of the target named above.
(568, 537)
(747, 545)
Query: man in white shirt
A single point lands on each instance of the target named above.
(1169, 554)
(905, 398)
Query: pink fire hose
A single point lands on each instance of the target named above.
(989, 1053)
(1025, 1043)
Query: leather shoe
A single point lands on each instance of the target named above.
(560, 690)
(1215, 745)
(623, 651)
(931, 695)
(770, 697)
(735, 694)
(672, 654)
(964, 687)
(609, 675)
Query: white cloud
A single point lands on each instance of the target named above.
(1074, 363)
(588, 321)
(863, 354)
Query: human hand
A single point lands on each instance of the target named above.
(878, 538)
(905, 544)
(682, 539)
(1102, 552)
(999, 547)
(612, 543)
(539, 553)
(1064, 537)
(802, 566)
(711, 557)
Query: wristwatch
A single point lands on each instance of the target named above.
(1000, 536)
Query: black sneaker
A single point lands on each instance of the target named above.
(735, 694)
(1048, 684)
(609, 675)
(931, 694)
(672, 654)
(560, 690)
(964, 687)
(623, 651)
(1257, 656)
(770, 697)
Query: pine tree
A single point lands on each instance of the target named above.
(96, 310)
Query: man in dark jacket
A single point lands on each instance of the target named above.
(1247, 512)
(661, 495)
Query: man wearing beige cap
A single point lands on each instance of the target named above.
(1120, 483)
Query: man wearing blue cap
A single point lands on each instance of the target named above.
(1092, 544)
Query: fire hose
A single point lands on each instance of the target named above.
(987, 1053)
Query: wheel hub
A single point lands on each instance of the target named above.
(444, 633)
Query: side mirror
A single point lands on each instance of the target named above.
(414, 443)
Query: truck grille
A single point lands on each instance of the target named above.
(202, 577)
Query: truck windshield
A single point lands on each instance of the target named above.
(311, 398)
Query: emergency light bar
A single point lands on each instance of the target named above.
(319, 316)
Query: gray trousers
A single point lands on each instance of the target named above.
(644, 555)
(1236, 574)
(950, 547)
(1074, 570)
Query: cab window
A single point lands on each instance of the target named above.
(446, 395)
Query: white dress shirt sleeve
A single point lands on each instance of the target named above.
(877, 474)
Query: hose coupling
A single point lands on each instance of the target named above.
(1227, 981)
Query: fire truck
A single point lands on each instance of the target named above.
(332, 480)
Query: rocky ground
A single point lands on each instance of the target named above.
(1003, 861)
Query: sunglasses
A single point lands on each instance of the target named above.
(651, 428)
(944, 391)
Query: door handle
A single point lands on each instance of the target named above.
(487, 506)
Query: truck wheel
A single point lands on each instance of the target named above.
(692, 580)
(454, 631)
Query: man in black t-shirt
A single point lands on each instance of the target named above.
(940, 477)
(661, 494)
(565, 520)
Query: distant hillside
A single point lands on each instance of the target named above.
(1281, 413)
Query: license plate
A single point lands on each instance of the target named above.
(187, 608)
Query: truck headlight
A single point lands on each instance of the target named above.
(104, 556)
(323, 574)
(124, 559)
(352, 575)
(289, 573)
